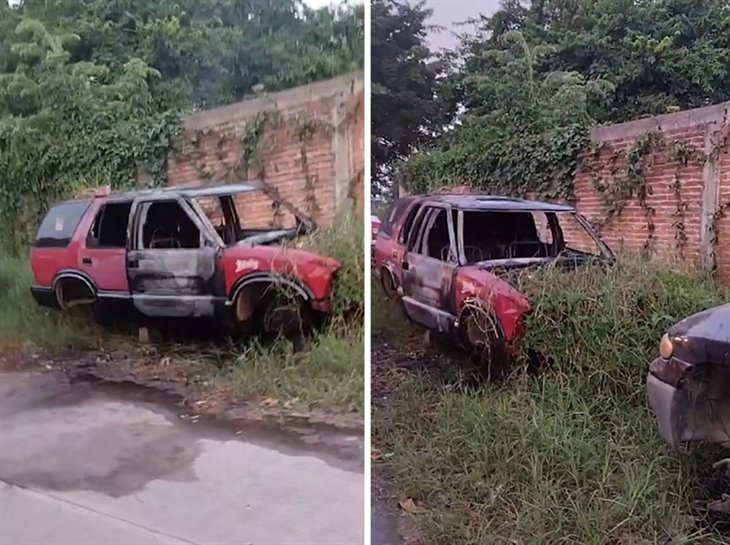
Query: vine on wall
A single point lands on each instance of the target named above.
(621, 186)
(240, 154)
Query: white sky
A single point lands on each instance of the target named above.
(448, 12)
(321, 3)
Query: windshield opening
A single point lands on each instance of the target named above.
(514, 235)
(251, 216)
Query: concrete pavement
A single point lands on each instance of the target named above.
(80, 464)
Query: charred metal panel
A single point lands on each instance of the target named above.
(427, 281)
(173, 282)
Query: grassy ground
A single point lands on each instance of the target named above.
(567, 455)
(24, 321)
(326, 373)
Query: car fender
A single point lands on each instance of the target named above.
(78, 275)
(259, 277)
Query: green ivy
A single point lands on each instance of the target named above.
(542, 165)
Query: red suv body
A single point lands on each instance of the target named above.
(158, 251)
(444, 256)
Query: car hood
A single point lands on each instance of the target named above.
(703, 337)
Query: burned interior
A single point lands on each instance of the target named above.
(165, 225)
(228, 212)
(496, 235)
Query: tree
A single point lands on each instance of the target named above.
(212, 52)
(90, 90)
(410, 100)
(658, 54)
(537, 75)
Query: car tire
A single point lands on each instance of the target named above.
(482, 336)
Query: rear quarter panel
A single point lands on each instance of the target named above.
(389, 251)
(46, 262)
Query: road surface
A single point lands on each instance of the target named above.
(88, 464)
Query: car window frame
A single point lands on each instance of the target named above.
(98, 216)
(432, 211)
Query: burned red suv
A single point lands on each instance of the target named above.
(158, 251)
(445, 256)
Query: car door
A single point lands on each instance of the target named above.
(429, 265)
(103, 250)
(172, 259)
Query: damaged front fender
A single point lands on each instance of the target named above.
(697, 410)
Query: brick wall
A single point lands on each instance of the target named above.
(304, 143)
(685, 216)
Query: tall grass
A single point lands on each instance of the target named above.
(328, 370)
(326, 373)
(22, 320)
(571, 455)
(344, 242)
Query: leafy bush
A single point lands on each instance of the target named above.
(603, 324)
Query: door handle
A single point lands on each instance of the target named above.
(86, 260)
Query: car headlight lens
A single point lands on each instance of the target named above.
(666, 349)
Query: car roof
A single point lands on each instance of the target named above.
(496, 203)
(220, 190)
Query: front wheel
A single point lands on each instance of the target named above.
(481, 334)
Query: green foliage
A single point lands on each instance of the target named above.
(24, 321)
(92, 91)
(65, 125)
(410, 102)
(327, 373)
(537, 75)
(344, 242)
(213, 51)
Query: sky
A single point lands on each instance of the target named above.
(321, 3)
(448, 12)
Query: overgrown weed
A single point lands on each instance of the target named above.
(572, 455)
(327, 372)
(23, 320)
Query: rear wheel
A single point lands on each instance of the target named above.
(72, 292)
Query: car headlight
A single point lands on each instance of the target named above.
(666, 349)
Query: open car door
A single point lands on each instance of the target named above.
(172, 259)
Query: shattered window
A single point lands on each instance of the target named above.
(489, 235)
(437, 243)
